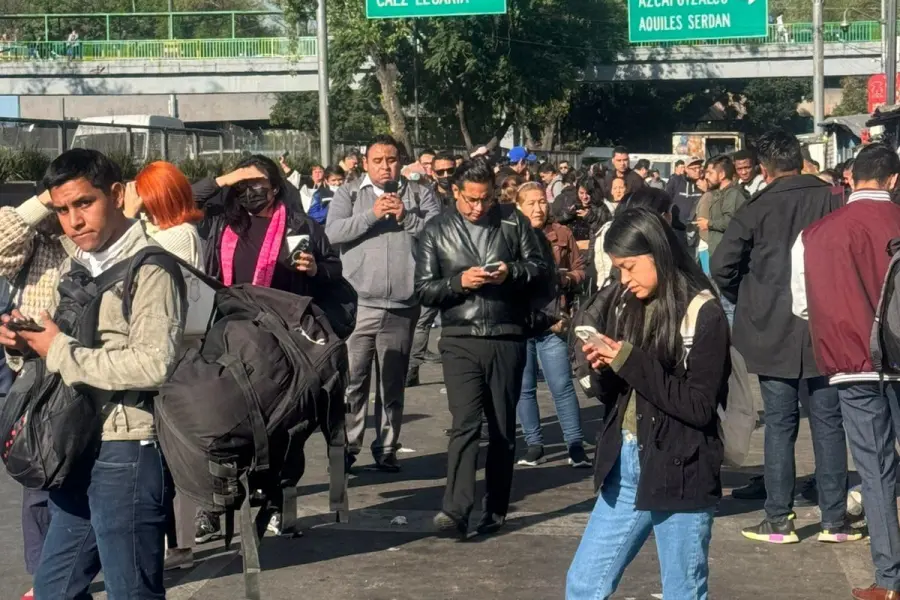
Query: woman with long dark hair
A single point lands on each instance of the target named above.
(662, 370)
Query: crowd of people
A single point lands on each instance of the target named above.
(661, 289)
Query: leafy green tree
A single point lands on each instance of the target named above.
(854, 98)
(355, 113)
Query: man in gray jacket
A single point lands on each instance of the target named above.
(377, 218)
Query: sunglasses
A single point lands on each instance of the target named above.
(450, 171)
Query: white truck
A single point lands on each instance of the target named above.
(110, 135)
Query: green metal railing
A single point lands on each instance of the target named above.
(795, 33)
(159, 49)
(263, 47)
(63, 22)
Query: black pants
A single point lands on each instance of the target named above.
(482, 376)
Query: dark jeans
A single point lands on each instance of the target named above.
(421, 335)
(872, 423)
(782, 407)
(117, 524)
(35, 524)
(482, 376)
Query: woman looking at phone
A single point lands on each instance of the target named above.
(662, 371)
(550, 345)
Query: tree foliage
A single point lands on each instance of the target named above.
(854, 98)
(138, 27)
(355, 113)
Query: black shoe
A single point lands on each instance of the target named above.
(207, 527)
(807, 494)
(412, 377)
(780, 532)
(432, 357)
(490, 523)
(534, 456)
(349, 459)
(388, 463)
(446, 524)
(755, 490)
(578, 457)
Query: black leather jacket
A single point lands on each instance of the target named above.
(446, 249)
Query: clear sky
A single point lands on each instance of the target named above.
(9, 106)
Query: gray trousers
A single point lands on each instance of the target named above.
(384, 335)
(420, 338)
(872, 424)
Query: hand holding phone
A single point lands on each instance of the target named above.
(590, 335)
(18, 324)
(492, 267)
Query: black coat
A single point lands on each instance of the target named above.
(752, 267)
(446, 249)
(678, 440)
(328, 287)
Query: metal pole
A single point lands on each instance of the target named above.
(324, 121)
(890, 63)
(171, 23)
(173, 106)
(416, 76)
(818, 67)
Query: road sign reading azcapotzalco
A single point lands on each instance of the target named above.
(682, 20)
(401, 9)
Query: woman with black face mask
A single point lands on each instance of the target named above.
(255, 232)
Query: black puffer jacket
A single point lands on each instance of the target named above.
(446, 250)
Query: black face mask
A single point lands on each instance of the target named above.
(254, 200)
(443, 183)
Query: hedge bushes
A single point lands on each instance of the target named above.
(30, 165)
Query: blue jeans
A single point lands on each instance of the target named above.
(553, 354)
(616, 532)
(118, 523)
(781, 401)
(872, 422)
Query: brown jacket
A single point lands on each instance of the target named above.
(567, 256)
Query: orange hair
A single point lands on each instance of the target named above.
(166, 195)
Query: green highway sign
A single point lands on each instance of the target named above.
(401, 9)
(683, 20)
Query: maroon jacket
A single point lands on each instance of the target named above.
(846, 260)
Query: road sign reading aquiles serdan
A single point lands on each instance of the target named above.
(401, 9)
(683, 20)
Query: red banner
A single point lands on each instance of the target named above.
(878, 91)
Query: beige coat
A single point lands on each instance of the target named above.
(131, 356)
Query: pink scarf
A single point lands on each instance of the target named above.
(268, 254)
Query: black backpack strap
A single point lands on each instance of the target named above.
(249, 544)
(353, 196)
(251, 398)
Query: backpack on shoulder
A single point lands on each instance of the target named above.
(236, 413)
(49, 430)
(884, 342)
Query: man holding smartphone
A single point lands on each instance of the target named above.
(374, 222)
(478, 264)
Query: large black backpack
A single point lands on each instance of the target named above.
(884, 342)
(235, 414)
(50, 430)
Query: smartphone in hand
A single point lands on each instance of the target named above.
(492, 267)
(24, 325)
(590, 335)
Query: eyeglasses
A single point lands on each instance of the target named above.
(473, 202)
(445, 172)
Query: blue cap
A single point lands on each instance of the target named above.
(520, 153)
